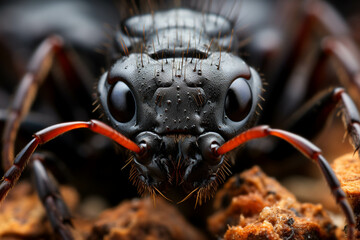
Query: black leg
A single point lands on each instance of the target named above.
(48, 192)
(312, 118)
(304, 65)
(73, 72)
(341, 50)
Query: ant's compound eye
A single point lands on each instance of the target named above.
(238, 100)
(121, 102)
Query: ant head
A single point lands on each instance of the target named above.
(178, 116)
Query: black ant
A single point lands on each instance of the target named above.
(180, 100)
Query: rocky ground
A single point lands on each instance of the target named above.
(250, 205)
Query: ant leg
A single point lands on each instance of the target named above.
(317, 111)
(320, 23)
(12, 175)
(336, 45)
(310, 151)
(49, 194)
(339, 47)
(38, 69)
(345, 53)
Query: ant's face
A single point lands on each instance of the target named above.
(179, 116)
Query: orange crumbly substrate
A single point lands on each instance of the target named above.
(254, 206)
(22, 216)
(249, 206)
(347, 168)
(141, 219)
